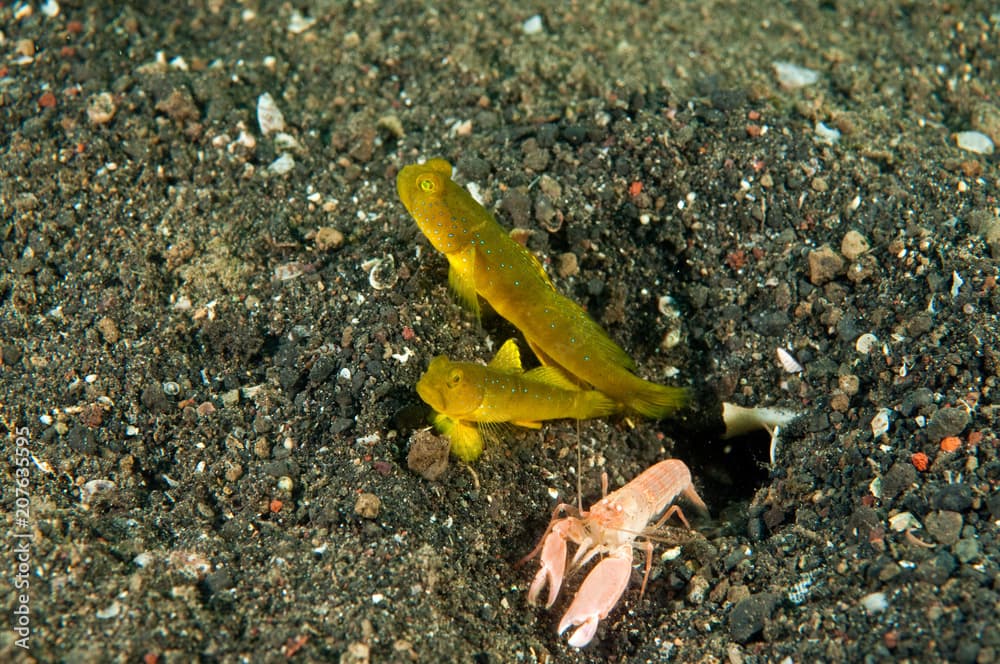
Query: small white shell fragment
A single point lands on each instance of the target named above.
(382, 274)
(244, 140)
(289, 271)
(403, 357)
(297, 23)
(865, 343)
(974, 141)
(281, 165)
(101, 108)
(42, 465)
(772, 450)
(533, 25)
(460, 128)
(788, 363)
(904, 521)
(111, 611)
(94, 487)
(667, 306)
(670, 554)
(284, 141)
(740, 420)
(269, 116)
(828, 135)
(880, 423)
(50, 8)
(671, 339)
(875, 602)
(793, 76)
(144, 559)
(553, 493)
(875, 487)
(956, 283)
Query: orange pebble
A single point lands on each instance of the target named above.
(951, 443)
(635, 189)
(920, 461)
(275, 506)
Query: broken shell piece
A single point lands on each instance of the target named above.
(382, 273)
(792, 76)
(974, 141)
(94, 487)
(865, 343)
(956, 283)
(281, 165)
(880, 423)
(298, 23)
(875, 602)
(788, 363)
(740, 420)
(904, 521)
(269, 116)
(772, 450)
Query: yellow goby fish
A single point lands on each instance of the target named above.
(469, 399)
(485, 261)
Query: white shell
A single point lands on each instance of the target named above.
(94, 487)
(793, 76)
(956, 283)
(974, 141)
(903, 521)
(880, 423)
(533, 25)
(297, 23)
(865, 343)
(875, 602)
(382, 273)
(282, 165)
(269, 116)
(788, 363)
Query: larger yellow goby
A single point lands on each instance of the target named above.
(485, 261)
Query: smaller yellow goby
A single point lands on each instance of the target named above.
(485, 262)
(471, 400)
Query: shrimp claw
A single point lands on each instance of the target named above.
(610, 527)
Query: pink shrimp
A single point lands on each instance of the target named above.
(609, 527)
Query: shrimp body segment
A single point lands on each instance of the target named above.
(610, 527)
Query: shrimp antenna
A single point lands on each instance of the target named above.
(579, 468)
